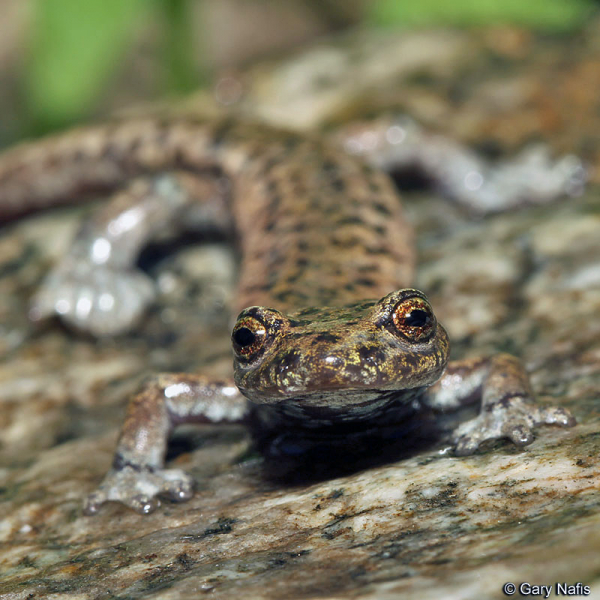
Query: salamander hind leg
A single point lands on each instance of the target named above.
(137, 477)
(97, 287)
(508, 407)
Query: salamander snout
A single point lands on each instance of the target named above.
(391, 344)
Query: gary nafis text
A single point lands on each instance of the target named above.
(560, 589)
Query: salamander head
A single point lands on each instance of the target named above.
(336, 357)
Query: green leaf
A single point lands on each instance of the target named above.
(76, 45)
(181, 73)
(548, 15)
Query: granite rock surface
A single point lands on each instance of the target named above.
(428, 526)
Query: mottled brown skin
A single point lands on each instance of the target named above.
(330, 342)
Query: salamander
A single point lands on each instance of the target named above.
(331, 340)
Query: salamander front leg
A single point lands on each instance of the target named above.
(137, 477)
(508, 408)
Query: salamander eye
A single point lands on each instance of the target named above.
(248, 336)
(414, 319)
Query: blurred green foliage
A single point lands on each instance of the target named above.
(77, 45)
(74, 48)
(545, 15)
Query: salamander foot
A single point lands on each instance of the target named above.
(140, 488)
(513, 418)
(101, 300)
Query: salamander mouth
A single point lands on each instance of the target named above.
(341, 399)
(350, 406)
